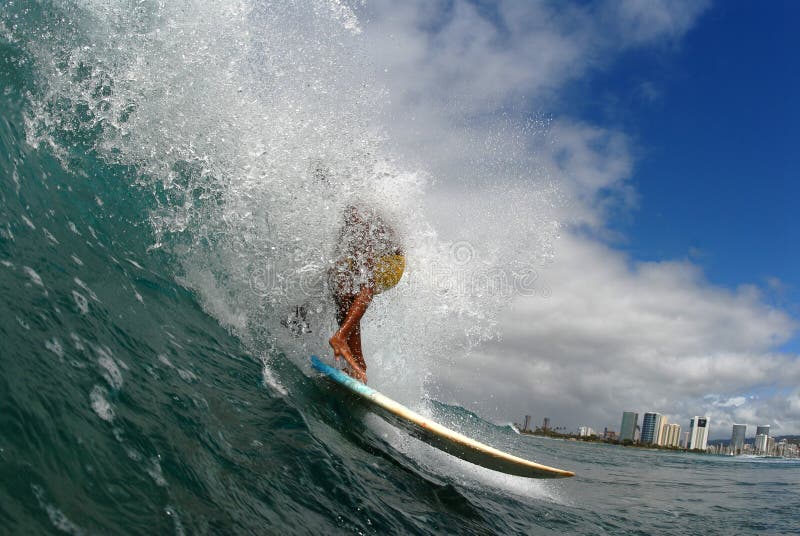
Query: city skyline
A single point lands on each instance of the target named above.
(657, 431)
(636, 431)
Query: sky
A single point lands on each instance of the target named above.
(662, 136)
(714, 122)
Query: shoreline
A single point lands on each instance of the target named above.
(631, 444)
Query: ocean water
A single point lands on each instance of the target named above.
(162, 215)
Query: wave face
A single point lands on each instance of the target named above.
(237, 133)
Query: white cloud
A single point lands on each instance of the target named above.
(648, 20)
(475, 99)
(618, 335)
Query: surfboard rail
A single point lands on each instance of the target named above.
(439, 436)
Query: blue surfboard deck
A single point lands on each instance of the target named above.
(435, 434)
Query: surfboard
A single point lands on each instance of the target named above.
(435, 434)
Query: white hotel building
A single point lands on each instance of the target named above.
(698, 433)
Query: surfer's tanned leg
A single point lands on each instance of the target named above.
(354, 343)
(346, 342)
(370, 261)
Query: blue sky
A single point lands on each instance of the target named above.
(715, 120)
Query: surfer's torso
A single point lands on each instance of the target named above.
(369, 253)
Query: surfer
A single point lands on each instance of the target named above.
(370, 261)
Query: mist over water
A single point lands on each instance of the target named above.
(253, 125)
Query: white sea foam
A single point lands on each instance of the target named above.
(184, 374)
(100, 404)
(76, 341)
(150, 465)
(110, 371)
(187, 375)
(80, 302)
(55, 346)
(57, 518)
(132, 453)
(76, 260)
(49, 236)
(153, 468)
(272, 381)
(85, 287)
(119, 361)
(176, 520)
(6, 233)
(35, 278)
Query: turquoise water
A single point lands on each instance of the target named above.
(147, 385)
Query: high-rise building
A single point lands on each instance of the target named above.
(527, 426)
(785, 449)
(763, 429)
(698, 433)
(761, 445)
(586, 431)
(737, 438)
(670, 435)
(630, 422)
(650, 430)
(546, 424)
(685, 440)
(661, 422)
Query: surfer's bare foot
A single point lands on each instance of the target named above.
(340, 349)
(360, 376)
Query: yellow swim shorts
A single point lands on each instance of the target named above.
(388, 271)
